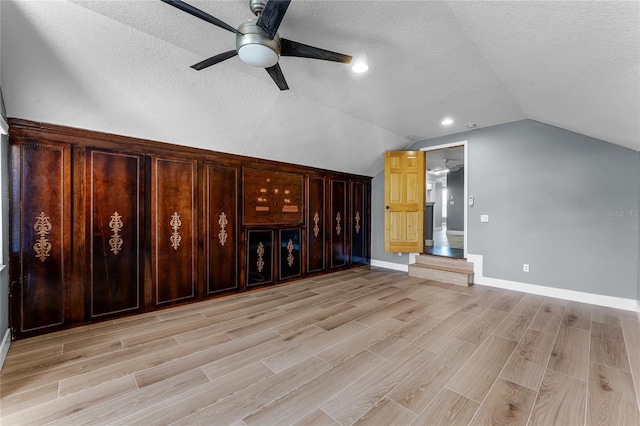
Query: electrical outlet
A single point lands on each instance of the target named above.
(525, 267)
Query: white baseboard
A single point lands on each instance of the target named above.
(4, 347)
(576, 296)
(455, 232)
(390, 265)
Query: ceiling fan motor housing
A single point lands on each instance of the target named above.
(255, 47)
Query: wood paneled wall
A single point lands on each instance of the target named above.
(104, 226)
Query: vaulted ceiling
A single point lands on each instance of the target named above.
(124, 67)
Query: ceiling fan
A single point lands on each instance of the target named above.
(257, 40)
(447, 166)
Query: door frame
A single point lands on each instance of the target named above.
(465, 145)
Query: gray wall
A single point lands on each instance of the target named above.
(437, 208)
(455, 211)
(562, 202)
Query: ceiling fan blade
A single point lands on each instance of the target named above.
(272, 15)
(214, 60)
(293, 48)
(200, 14)
(276, 74)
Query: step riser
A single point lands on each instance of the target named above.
(442, 276)
(445, 262)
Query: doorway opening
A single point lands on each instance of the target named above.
(446, 200)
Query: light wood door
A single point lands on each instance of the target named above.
(404, 191)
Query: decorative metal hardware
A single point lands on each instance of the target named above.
(357, 222)
(43, 226)
(338, 227)
(316, 221)
(260, 262)
(290, 250)
(223, 222)
(175, 225)
(116, 241)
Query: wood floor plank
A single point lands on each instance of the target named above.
(447, 408)
(549, 316)
(528, 362)
(570, 354)
(506, 403)
(518, 320)
(359, 342)
(316, 418)
(368, 369)
(507, 301)
(387, 413)
(59, 408)
(415, 392)
(479, 329)
(561, 401)
(285, 358)
(388, 311)
(477, 375)
(438, 336)
(246, 401)
(610, 399)
(396, 341)
(608, 346)
(295, 404)
(351, 315)
(361, 396)
(578, 315)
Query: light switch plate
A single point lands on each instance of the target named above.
(484, 218)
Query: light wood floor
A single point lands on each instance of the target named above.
(364, 346)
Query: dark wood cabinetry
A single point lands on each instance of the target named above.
(114, 223)
(221, 228)
(104, 226)
(173, 229)
(316, 229)
(359, 221)
(338, 221)
(40, 236)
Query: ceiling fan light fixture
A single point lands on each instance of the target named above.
(360, 67)
(258, 55)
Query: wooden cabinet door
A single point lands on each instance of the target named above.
(115, 232)
(358, 224)
(221, 232)
(173, 230)
(338, 219)
(40, 236)
(316, 250)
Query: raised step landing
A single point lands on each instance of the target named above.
(443, 269)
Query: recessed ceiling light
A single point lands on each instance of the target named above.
(447, 121)
(471, 126)
(360, 67)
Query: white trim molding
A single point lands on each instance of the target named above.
(4, 347)
(390, 265)
(560, 293)
(455, 232)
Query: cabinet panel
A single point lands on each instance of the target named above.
(316, 249)
(338, 228)
(358, 228)
(290, 265)
(272, 197)
(259, 257)
(115, 223)
(173, 232)
(40, 236)
(221, 241)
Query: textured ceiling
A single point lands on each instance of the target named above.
(123, 67)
